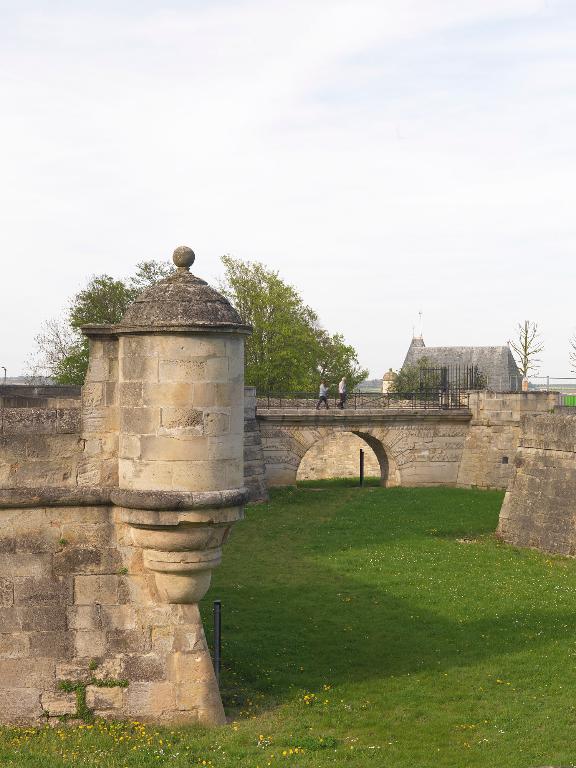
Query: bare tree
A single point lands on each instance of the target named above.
(573, 353)
(54, 342)
(527, 345)
(61, 350)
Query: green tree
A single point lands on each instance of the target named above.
(288, 350)
(334, 359)
(416, 377)
(62, 350)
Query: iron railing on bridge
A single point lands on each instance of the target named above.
(444, 400)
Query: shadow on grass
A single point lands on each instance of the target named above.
(297, 615)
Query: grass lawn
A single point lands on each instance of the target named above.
(364, 627)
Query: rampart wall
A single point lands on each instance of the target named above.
(115, 503)
(42, 443)
(538, 508)
(494, 434)
(471, 447)
(81, 614)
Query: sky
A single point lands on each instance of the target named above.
(387, 157)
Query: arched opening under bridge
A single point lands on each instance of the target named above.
(337, 454)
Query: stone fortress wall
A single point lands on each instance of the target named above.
(470, 448)
(113, 511)
(41, 441)
(538, 508)
(87, 564)
(494, 435)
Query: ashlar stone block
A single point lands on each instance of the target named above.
(190, 370)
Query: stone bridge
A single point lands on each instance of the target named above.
(413, 446)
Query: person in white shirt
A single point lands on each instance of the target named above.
(323, 395)
(342, 392)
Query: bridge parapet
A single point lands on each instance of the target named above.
(365, 417)
(449, 400)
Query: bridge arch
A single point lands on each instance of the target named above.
(414, 446)
(379, 459)
(388, 468)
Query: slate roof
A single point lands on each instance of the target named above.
(496, 363)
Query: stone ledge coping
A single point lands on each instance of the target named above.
(113, 331)
(172, 500)
(21, 498)
(361, 416)
(27, 498)
(171, 518)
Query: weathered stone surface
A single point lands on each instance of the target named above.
(19, 705)
(100, 699)
(90, 644)
(47, 590)
(6, 592)
(42, 618)
(84, 617)
(37, 672)
(56, 645)
(538, 509)
(102, 589)
(14, 645)
(189, 419)
(10, 620)
(129, 640)
(141, 667)
(149, 699)
(180, 301)
(158, 429)
(87, 559)
(58, 703)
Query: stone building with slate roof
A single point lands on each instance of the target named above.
(495, 363)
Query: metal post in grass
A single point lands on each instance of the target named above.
(217, 638)
(361, 467)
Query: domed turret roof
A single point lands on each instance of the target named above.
(181, 300)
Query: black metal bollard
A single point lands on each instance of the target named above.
(361, 467)
(217, 638)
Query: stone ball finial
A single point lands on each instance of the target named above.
(183, 257)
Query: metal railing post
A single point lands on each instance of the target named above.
(217, 638)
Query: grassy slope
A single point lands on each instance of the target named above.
(423, 641)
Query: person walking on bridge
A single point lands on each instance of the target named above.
(322, 395)
(342, 392)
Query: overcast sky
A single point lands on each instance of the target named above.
(386, 157)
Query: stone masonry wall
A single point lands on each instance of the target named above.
(538, 509)
(412, 449)
(76, 605)
(254, 475)
(494, 433)
(39, 446)
(48, 445)
(70, 438)
(338, 456)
